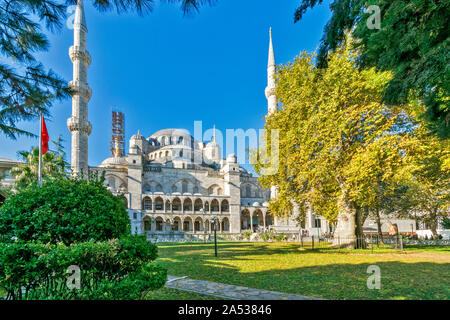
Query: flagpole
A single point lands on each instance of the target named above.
(40, 151)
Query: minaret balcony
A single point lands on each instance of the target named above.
(78, 88)
(74, 124)
(77, 53)
(269, 92)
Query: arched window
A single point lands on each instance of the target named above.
(167, 153)
(198, 205)
(180, 140)
(174, 188)
(214, 205)
(158, 188)
(163, 141)
(195, 189)
(147, 224)
(184, 187)
(159, 203)
(219, 191)
(187, 205)
(181, 153)
(147, 204)
(248, 191)
(176, 204)
(224, 206)
(159, 224)
(112, 183)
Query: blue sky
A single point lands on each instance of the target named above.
(164, 70)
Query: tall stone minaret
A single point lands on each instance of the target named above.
(78, 124)
(270, 95)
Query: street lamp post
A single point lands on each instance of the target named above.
(215, 236)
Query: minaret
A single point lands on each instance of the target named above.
(78, 124)
(270, 95)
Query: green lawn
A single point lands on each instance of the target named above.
(417, 273)
(173, 294)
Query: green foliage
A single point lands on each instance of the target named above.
(413, 42)
(273, 236)
(247, 234)
(64, 211)
(115, 269)
(446, 222)
(336, 139)
(427, 181)
(266, 236)
(54, 165)
(26, 87)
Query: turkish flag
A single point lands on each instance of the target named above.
(44, 137)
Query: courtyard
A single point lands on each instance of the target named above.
(417, 273)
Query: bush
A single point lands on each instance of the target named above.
(281, 237)
(115, 269)
(247, 234)
(64, 211)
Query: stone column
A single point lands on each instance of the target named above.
(264, 220)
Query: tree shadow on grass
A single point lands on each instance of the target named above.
(319, 276)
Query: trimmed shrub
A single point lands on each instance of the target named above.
(64, 211)
(115, 269)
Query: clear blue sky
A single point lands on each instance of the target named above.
(164, 70)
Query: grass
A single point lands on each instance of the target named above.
(173, 294)
(417, 273)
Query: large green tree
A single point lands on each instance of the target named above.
(412, 41)
(27, 88)
(427, 180)
(337, 141)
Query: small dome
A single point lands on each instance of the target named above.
(110, 162)
(256, 204)
(137, 136)
(231, 158)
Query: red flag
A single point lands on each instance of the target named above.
(45, 138)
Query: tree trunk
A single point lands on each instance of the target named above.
(348, 225)
(433, 223)
(378, 221)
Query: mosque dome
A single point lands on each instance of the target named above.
(113, 162)
(137, 136)
(231, 158)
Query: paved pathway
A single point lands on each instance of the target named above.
(227, 291)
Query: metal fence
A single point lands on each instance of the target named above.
(369, 242)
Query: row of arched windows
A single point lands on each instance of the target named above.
(186, 206)
(186, 224)
(182, 186)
